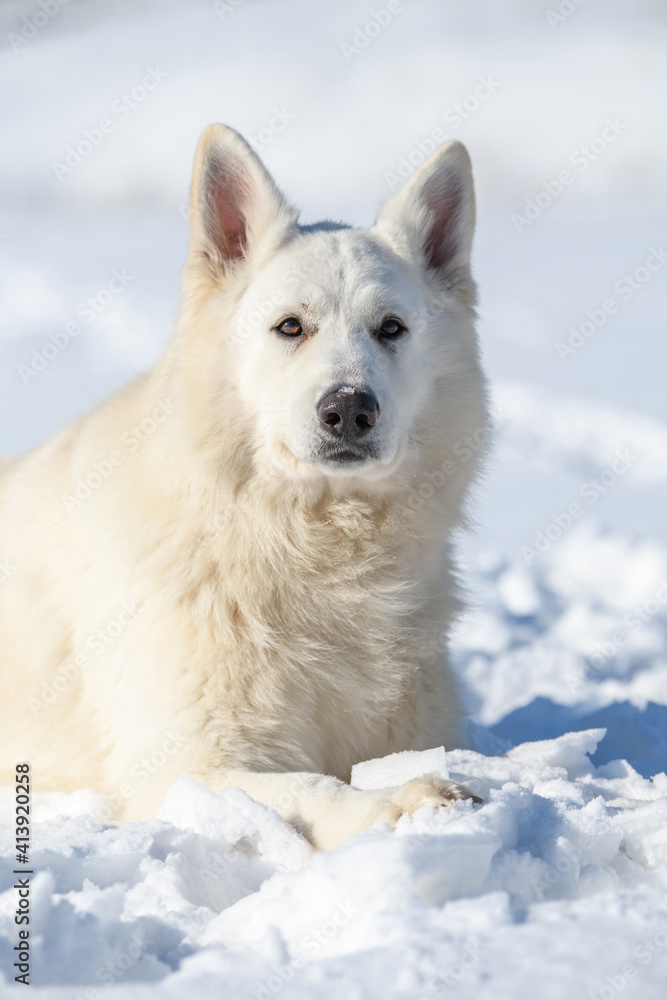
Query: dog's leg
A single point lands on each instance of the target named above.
(327, 811)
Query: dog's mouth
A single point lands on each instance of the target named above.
(346, 456)
(326, 457)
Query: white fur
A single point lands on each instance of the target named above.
(261, 609)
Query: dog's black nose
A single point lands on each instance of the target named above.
(348, 413)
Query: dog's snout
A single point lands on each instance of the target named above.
(348, 413)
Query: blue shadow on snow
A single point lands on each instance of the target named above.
(636, 735)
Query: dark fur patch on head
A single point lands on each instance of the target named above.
(325, 226)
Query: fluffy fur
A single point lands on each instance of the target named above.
(193, 581)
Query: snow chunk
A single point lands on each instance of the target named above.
(397, 768)
(569, 751)
(230, 816)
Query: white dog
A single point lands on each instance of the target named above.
(238, 566)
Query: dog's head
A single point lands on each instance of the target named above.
(346, 351)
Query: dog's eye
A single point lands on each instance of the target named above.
(391, 328)
(290, 327)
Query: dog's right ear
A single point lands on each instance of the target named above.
(235, 207)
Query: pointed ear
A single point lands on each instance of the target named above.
(434, 214)
(234, 204)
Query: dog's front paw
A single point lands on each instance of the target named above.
(351, 810)
(429, 790)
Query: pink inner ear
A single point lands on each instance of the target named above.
(443, 199)
(228, 191)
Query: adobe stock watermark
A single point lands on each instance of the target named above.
(569, 861)
(590, 491)
(310, 945)
(430, 651)
(444, 982)
(264, 478)
(257, 316)
(262, 313)
(32, 24)
(565, 10)
(87, 310)
(129, 442)
(7, 569)
(463, 451)
(141, 773)
(633, 621)
(454, 116)
(581, 158)
(224, 7)
(625, 288)
(114, 969)
(278, 122)
(121, 108)
(645, 953)
(97, 642)
(364, 34)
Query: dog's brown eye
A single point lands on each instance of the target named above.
(391, 328)
(290, 327)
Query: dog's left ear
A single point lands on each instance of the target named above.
(434, 213)
(235, 207)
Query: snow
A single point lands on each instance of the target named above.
(397, 768)
(555, 885)
(560, 875)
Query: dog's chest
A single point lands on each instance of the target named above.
(322, 625)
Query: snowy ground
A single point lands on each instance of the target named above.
(555, 887)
